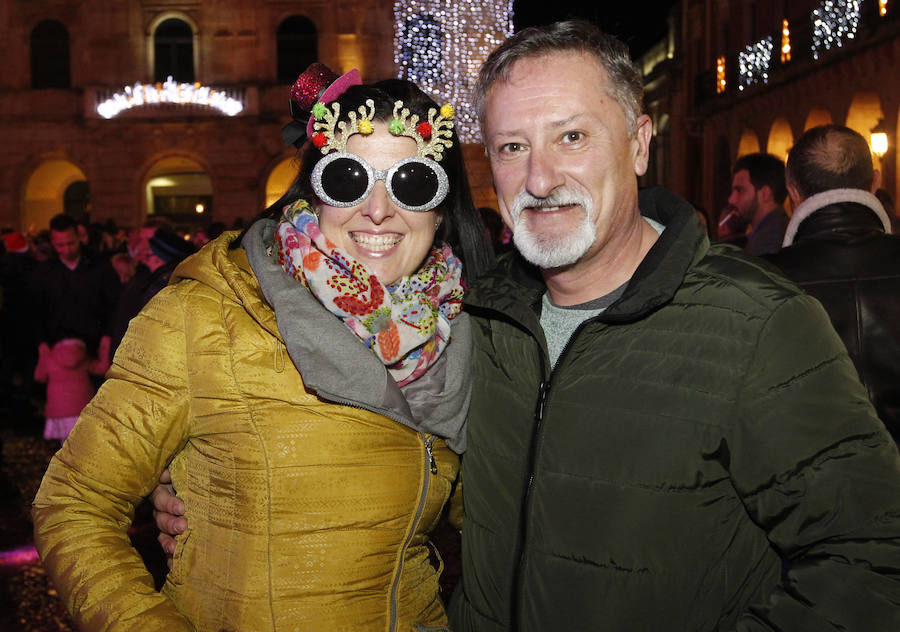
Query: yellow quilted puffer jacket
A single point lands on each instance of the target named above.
(304, 514)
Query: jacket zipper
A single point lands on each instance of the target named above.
(540, 409)
(430, 467)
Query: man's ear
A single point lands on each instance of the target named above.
(765, 194)
(876, 181)
(794, 195)
(642, 135)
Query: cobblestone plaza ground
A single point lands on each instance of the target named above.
(28, 601)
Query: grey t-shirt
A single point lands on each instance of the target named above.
(560, 322)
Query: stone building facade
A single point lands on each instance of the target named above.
(64, 59)
(752, 76)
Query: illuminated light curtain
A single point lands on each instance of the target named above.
(833, 23)
(440, 44)
(754, 63)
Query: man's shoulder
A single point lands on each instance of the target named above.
(874, 256)
(767, 235)
(510, 276)
(727, 277)
(45, 270)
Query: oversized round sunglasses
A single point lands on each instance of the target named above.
(413, 184)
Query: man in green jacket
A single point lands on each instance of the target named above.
(664, 434)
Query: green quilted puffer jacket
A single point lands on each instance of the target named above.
(702, 457)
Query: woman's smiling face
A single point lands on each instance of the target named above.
(389, 241)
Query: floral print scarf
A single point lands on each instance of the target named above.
(406, 324)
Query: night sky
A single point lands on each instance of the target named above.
(639, 23)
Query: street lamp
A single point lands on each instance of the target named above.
(879, 140)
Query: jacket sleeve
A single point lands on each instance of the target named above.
(817, 470)
(123, 439)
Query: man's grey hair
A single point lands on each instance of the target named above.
(627, 86)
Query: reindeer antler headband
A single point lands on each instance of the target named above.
(432, 136)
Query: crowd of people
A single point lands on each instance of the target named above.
(68, 293)
(635, 428)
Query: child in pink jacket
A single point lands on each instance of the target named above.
(67, 370)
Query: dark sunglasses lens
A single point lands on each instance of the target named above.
(345, 180)
(414, 184)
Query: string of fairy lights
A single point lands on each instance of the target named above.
(440, 44)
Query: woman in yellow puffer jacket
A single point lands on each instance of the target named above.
(306, 383)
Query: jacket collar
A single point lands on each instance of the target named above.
(515, 287)
(833, 197)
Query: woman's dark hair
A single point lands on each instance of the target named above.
(461, 226)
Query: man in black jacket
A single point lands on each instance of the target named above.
(76, 293)
(838, 248)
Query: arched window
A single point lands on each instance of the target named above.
(421, 43)
(50, 55)
(48, 191)
(173, 51)
(298, 47)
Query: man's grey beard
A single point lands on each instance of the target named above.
(553, 251)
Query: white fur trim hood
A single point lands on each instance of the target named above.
(833, 196)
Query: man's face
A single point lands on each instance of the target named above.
(743, 196)
(563, 158)
(66, 244)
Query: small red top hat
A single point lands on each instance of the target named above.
(317, 83)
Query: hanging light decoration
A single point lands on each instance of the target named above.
(754, 63)
(833, 23)
(440, 44)
(785, 42)
(168, 92)
(720, 75)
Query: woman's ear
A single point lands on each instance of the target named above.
(440, 227)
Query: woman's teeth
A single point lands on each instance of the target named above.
(376, 242)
